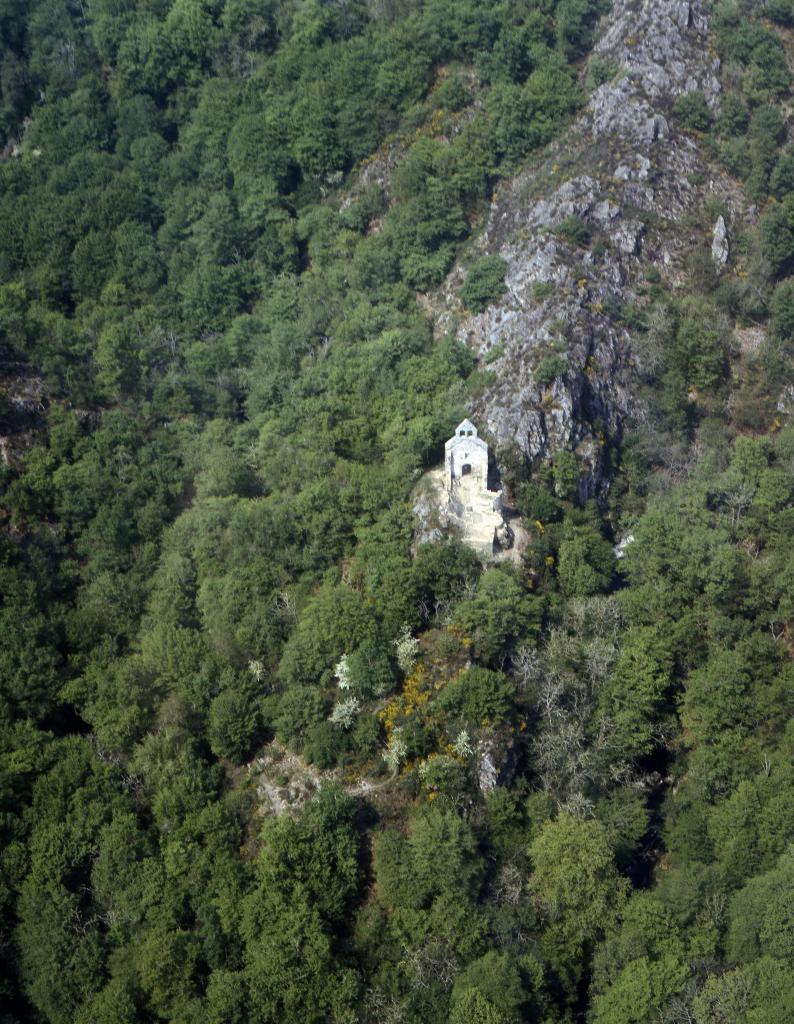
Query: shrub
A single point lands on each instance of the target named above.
(733, 118)
(452, 94)
(479, 694)
(542, 290)
(424, 271)
(783, 309)
(370, 205)
(574, 230)
(566, 474)
(549, 369)
(484, 284)
(692, 110)
(781, 11)
(493, 354)
(602, 71)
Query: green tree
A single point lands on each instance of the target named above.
(478, 695)
(575, 881)
(499, 617)
(586, 562)
(407, 869)
(491, 989)
(642, 989)
(778, 238)
(633, 697)
(233, 724)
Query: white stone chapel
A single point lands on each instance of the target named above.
(466, 454)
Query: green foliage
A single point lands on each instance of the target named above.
(527, 116)
(601, 71)
(760, 992)
(766, 131)
(438, 860)
(565, 472)
(781, 182)
(335, 620)
(231, 393)
(758, 49)
(542, 290)
(733, 117)
(783, 310)
(586, 562)
(479, 695)
(490, 989)
(693, 111)
(781, 11)
(535, 503)
(636, 690)
(549, 369)
(499, 617)
(778, 238)
(574, 230)
(442, 570)
(484, 283)
(233, 724)
(452, 94)
(575, 880)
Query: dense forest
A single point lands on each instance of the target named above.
(218, 392)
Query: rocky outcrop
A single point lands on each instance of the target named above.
(578, 229)
(23, 403)
(720, 249)
(487, 526)
(496, 761)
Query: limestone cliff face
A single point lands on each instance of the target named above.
(632, 177)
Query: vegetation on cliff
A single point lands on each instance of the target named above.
(215, 218)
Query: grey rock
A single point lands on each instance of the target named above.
(628, 236)
(720, 249)
(619, 550)
(495, 760)
(505, 537)
(785, 402)
(634, 185)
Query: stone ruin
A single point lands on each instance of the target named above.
(466, 455)
(469, 469)
(465, 496)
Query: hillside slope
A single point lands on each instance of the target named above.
(265, 758)
(636, 183)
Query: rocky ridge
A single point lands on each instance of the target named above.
(632, 178)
